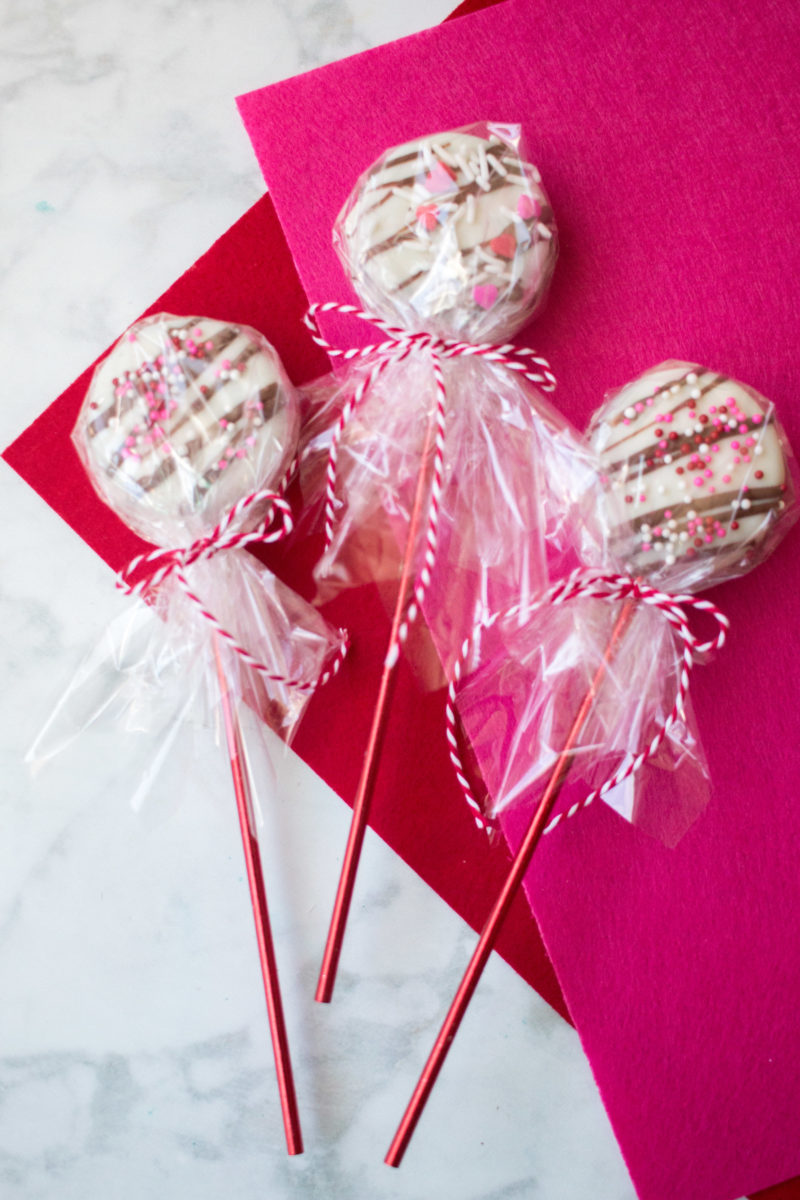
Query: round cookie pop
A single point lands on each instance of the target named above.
(701, 487)
(184, 417)
(698, 472)
(452, 234)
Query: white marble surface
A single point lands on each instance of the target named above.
(134, 1059)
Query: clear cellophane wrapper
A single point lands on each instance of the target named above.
(155, 669)
(185, 418)
(518, 506)
(517, 709)
(680, 530)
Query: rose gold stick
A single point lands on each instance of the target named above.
(498, 914)
(369, 771)
(258, 897)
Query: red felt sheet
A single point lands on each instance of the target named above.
(238, 279)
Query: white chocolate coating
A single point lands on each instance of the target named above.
(452, 233)
(697, 475)
(184, 417)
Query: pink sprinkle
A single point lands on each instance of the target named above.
(639, 406)
(657, 531)
(642, 498)
(736, 459)
(223, 424)
(221, 464)
(209, 345)
(698, 481)
(757, 419)
(726, 478)
(715, 449)
(720, 532)
(745, 458)
(197, 331)
(647, 546)
(250, 441)
(226, 362)
(709, 538)
(240, 453)
(668, 417)
(668, 514)
(229, 453)
(708, 458)
(625, 421)
(131, 337)
(735, 445)
(527, 207)
(742, 428)
(662, 445)
(708, 474)
(649, 401)
(711, 488)
(713, 408)
(751, 441)
(485, 295)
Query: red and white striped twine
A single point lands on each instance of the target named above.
(161, 563)
(603, 587)
(397, 346)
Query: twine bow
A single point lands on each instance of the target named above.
(609, 587)
(397, 346)
(155, 566)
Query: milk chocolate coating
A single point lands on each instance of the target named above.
(452, 233)
(698, 475)
(184, 417)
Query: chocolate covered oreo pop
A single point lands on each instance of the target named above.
(699, 473)
(452, 233)
(183, 418)
(186, 432)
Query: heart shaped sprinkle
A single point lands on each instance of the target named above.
(485, 295)
(504, 246)
(527, 207)
(440, 179)
(427, 215)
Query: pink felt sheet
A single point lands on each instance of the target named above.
(668, 141)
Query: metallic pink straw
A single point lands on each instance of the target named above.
(499, 912)
(258, 897)
(369, 771)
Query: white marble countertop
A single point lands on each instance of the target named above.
(134, 1055)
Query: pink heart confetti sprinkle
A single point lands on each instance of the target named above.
(485, 295)
(527, 207)
(439, 179)
(427, 215)
(504, 246)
